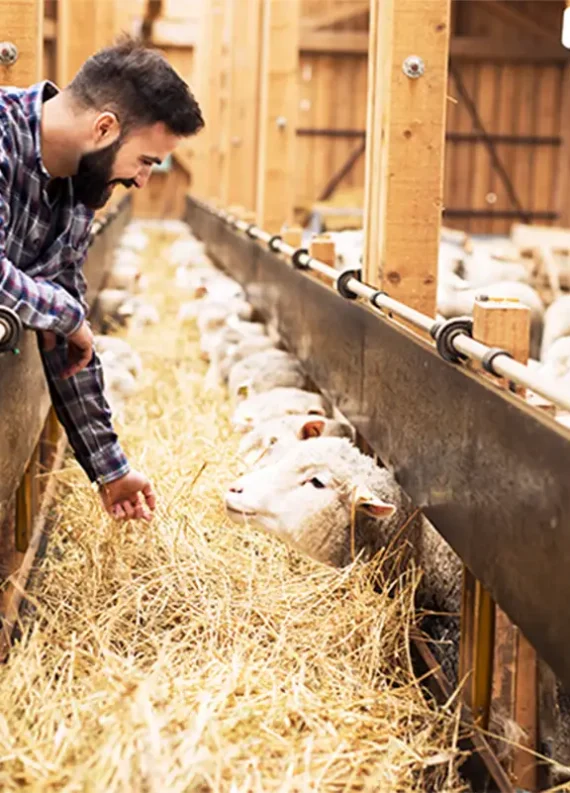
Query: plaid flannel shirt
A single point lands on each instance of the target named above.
(45, 284)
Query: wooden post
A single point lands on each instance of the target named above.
(405, 148)
(83, 27)
(278, 114)
(213, 123)
(244, 106)
(225, 98)
(22, 26)
(27, 502)
(506, 324)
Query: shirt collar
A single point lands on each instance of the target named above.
(39, 93)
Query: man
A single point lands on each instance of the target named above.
(61, 154)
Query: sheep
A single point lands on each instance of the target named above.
(217, 329)
(226, 354)
(263, 371)
(119, 383)
(278, 402)
(134, 240)
(122, 352)
(124, 275)
(307, 498)
(556, 323)
(456, 298)
(186, 251)
(556, 361)
(106, 309)
(139, 312)
(270, 440)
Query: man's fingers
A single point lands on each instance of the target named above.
(150, 498)
(129, 509)
(117, 511)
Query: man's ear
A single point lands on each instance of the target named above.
(106, 128)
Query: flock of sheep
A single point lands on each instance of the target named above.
(468, 268)
(306, 483)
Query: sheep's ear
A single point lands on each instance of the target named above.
(311, 429)
(366, 501)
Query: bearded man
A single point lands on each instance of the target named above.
(61, 154)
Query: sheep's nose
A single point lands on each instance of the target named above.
(236, 489)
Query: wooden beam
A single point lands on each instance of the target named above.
(275, 198)
(336, 15)
(22, 25)
(482, 48)
(468, 48)
(175, 32)
(405, 155)
(244, 105)
(509, 13)
(341, 42)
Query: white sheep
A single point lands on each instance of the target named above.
(278, 402)
(323, 498)
(139, 312)
(271, 439)
(264, 371)
(121, 350)
(226, 354)
(556, 323)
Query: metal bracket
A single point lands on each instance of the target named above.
(413, 67)
(8, 53)
(10, 330)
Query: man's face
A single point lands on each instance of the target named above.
(126, 161)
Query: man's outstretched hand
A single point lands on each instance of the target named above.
(129, 497)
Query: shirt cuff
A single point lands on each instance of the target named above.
(108, 464)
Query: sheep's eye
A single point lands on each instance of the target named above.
(316, 482)
(272, 441)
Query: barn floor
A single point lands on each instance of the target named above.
(187, 655)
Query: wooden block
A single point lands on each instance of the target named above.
(323, 249)
(505, 324)
(293, 236)
(22, 25)
(405, 151)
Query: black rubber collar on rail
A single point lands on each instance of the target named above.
(446, 332)
(273, 241)
(296, 256)
(250, 229)
(489, 357)
(342, 281)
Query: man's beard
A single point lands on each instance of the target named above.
(92, 184)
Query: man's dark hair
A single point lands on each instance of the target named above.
(139, 86)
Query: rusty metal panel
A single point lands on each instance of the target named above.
(491, 473)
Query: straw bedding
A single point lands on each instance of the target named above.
(192, 655)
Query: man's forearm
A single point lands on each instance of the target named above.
(41, 305)
(82, 409)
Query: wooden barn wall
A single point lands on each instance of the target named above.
(519, 100)
(332, 95)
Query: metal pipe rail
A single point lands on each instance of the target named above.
(460, 342)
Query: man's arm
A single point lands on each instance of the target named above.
(81, 407)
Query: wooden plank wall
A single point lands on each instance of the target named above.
(515, 99)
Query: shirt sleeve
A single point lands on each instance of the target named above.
(41, 305)
(79, 401)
